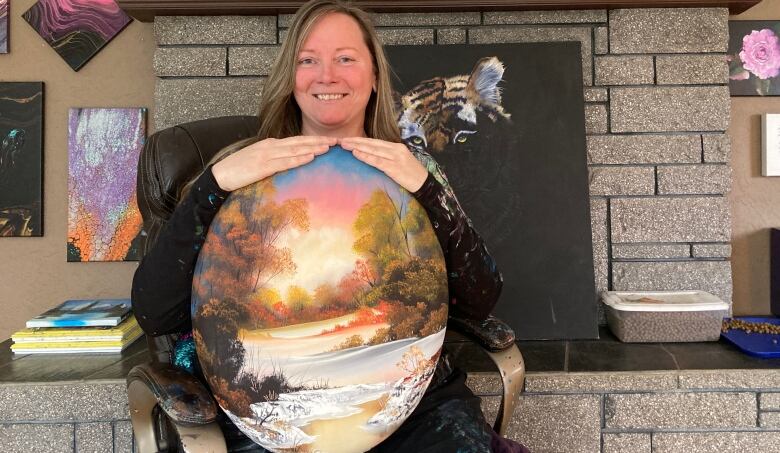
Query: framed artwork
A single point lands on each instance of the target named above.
(3, 26)
(506, 123)
(770, 144)
(21, 158)
(104, 223)
(77, 29)
(754, 58)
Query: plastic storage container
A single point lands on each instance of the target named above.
(664, 316)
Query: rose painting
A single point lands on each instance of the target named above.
(754, 58)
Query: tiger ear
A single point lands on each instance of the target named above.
(484, 79)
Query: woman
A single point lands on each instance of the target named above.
(330, 85)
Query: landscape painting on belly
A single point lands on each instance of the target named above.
(319, 306)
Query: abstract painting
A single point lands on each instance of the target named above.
(3, 26)
(21, 158)
(104, 223)
(319, 306)
(754, 58)
(77, 29)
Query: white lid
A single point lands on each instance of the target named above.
(663, 301)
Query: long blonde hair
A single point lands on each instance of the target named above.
(280, 115)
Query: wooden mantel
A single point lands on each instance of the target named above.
(146, 10)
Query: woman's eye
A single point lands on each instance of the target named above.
(306, 61)
(346, 59)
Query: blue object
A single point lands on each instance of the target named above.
(762, 345)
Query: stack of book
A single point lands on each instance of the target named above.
(79, 326)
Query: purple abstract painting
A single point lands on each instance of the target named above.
(104, 223)
(3, 26)
(76, 29)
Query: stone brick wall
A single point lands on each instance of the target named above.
(657, 108)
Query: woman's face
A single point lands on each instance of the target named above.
(334, 77)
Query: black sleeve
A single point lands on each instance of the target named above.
(162, 284)
(474, 280)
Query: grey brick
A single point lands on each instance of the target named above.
(285, 20)
(717, 147)
(651, 251)
(622, 180)
(557, 423)
(668, 30)
(94, 438)
(599, 382)
(510, 34)
(717, 442)
(282, 36)
(183, 100)
(63, 402)
(711, 250)
(484, 383)
(600, 40)
(38, 438)
(489, 406)
(626, 443)
(685, 69)
(711, 276)
(680, 410)
(123, 436)
(643, 149)
(451, 36)
(252, 60)
(623, 70)
(688, 219)
(769, 401)
(405, 36)
(546, 17)
(769, 420)
(694, 179)
(731, 379)
(598, 223)
(215, 29)
(593, 94)
(595, 119)
(659, 109)
(425, 19)
(190, 61)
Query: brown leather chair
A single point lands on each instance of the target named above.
(170, 408)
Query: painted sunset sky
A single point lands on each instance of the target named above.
(336, 185)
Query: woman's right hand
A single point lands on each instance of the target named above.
(267, 157)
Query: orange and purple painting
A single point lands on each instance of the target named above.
(319, 306)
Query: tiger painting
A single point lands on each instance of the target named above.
(458, 123)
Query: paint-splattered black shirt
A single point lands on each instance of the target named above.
(162, 285)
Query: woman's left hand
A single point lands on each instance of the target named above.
(394, 159)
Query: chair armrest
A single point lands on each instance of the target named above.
(491, 333)
(179, 394)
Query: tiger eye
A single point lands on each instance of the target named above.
(417, 140)
(462, 139)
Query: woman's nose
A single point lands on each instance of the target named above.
(326, 73)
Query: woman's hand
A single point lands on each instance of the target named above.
(267, 157)
(394, 159)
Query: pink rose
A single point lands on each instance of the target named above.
(761, 53)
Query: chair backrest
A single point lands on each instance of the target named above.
(170, 158)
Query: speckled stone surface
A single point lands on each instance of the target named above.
(484, 383)
(623, 70)
(451, 36)
(190, 61)
(711, 250)
(710, 276)
(546, 17)
(643, 149)
(684, 219)
(598, 224)
(651, 251)
(717, 147)
(489, 405)
(94, 438)
(769, 420)
(252, 60)
(594, 94)
(668, 30)
(63, 402)
(600, 40)
(678, 109)
(215, 30)
(622, 180)
(123, 437)
(769, 401)
(405, 36)
(694, 179)
(37, 438)
(425, 19)
(627, 443)
(685, 69)
(600, 382)
(731, 379)
(680, 410)
(717, 442)
(595, 119)
(509, 34)
(182, 100)
(557, 423)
